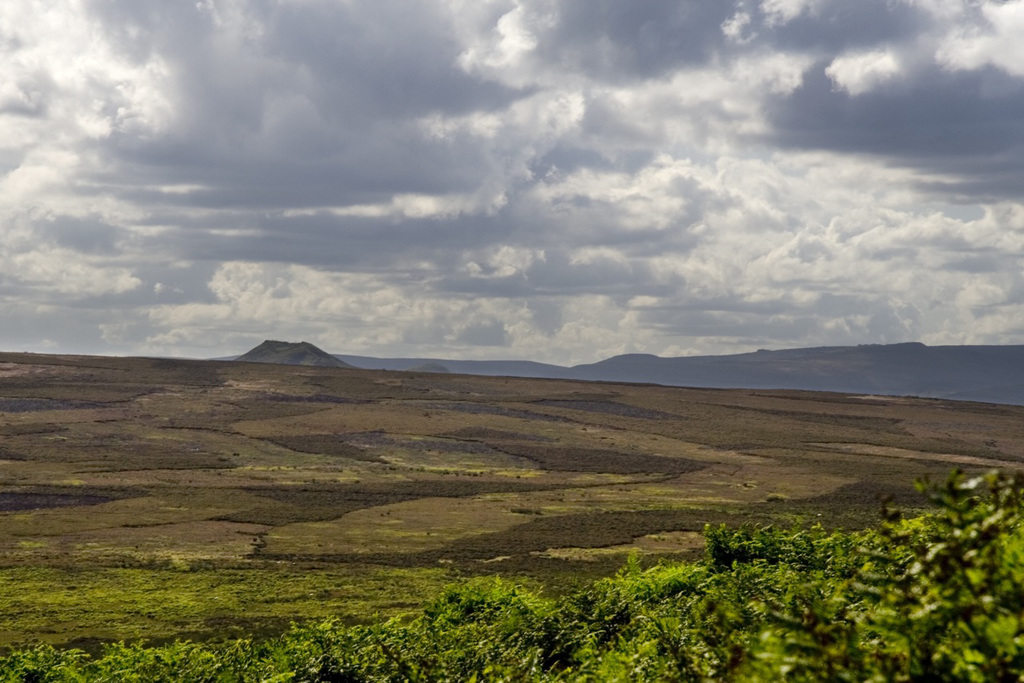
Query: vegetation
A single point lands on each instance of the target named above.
(154, 500)
(933, 598)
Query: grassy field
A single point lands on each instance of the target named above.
(154, 499)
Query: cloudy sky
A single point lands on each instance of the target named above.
(556, 180)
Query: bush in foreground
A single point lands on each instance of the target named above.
(937, 598)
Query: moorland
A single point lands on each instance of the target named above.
(162, 499)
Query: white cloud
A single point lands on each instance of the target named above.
(737, 27)
(980, 295)
(994, 40)
(860, 72)
(62, 272)
(784, 11)
(502, 49)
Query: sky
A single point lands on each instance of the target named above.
(554, 180)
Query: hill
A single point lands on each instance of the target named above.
(992, 374)
(289, 353)
(486, 368)
(429, 367)
(982, 373)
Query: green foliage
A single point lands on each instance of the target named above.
(811, 549)
(937, 598)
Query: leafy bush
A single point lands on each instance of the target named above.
(938, 598)
(801, 549)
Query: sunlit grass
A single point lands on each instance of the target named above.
(60, 605)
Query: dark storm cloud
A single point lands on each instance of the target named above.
(312, 104)
(964, 125)
(363, 172)
(86, 235)
(349, 243)
(305, 104)
(557, 273)
(389, 59)
(839, 25)
(622, 41)
(490, 333)
(978, 264)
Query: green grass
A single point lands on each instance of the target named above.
(69, 605)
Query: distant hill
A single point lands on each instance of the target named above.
(429, 367)
(993, 374)
(292, 353)
(980, 373)
(493, 368)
